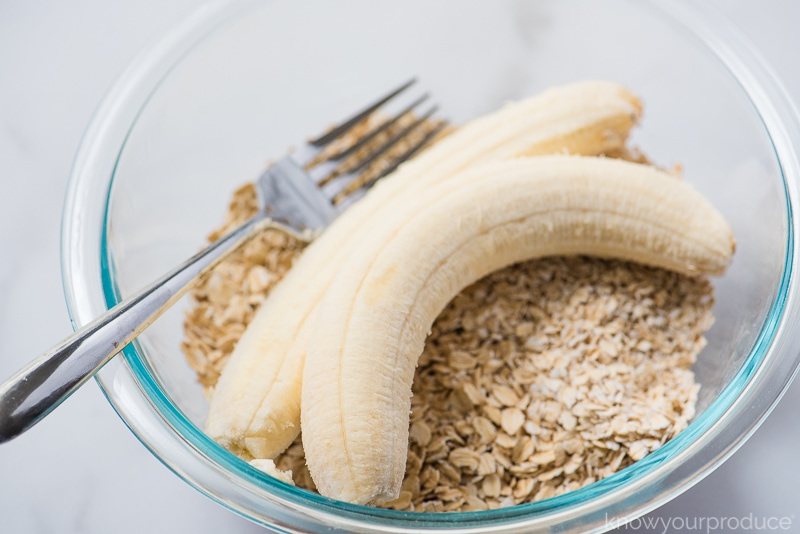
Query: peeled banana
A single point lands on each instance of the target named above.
(255, 408)
(376, 314)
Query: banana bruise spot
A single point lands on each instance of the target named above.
(376, 315)
(255, 408)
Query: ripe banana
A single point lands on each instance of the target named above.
(378, 311)
(255, 408)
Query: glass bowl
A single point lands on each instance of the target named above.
(201, 113)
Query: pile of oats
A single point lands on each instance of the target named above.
(549, 375)
(537, 380)
(223, 302)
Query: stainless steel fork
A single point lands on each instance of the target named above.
(299, 194)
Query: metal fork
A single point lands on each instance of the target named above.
(299, 194)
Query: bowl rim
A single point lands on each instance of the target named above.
(87, 271)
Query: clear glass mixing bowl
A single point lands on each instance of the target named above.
(201, 113)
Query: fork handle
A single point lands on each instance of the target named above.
(43, 384)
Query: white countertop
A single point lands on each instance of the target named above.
(81, 470)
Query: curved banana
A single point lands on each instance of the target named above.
(376, 315)
(255, 409)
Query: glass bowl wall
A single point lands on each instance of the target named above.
(236, 85)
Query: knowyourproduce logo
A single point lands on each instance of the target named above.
(707, 524)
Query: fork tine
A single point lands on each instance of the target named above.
(374, 133)
(348, 190)
(354, 168)
(392, 141)
(347, 125)
(407, 154)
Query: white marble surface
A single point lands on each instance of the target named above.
(81, 470)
